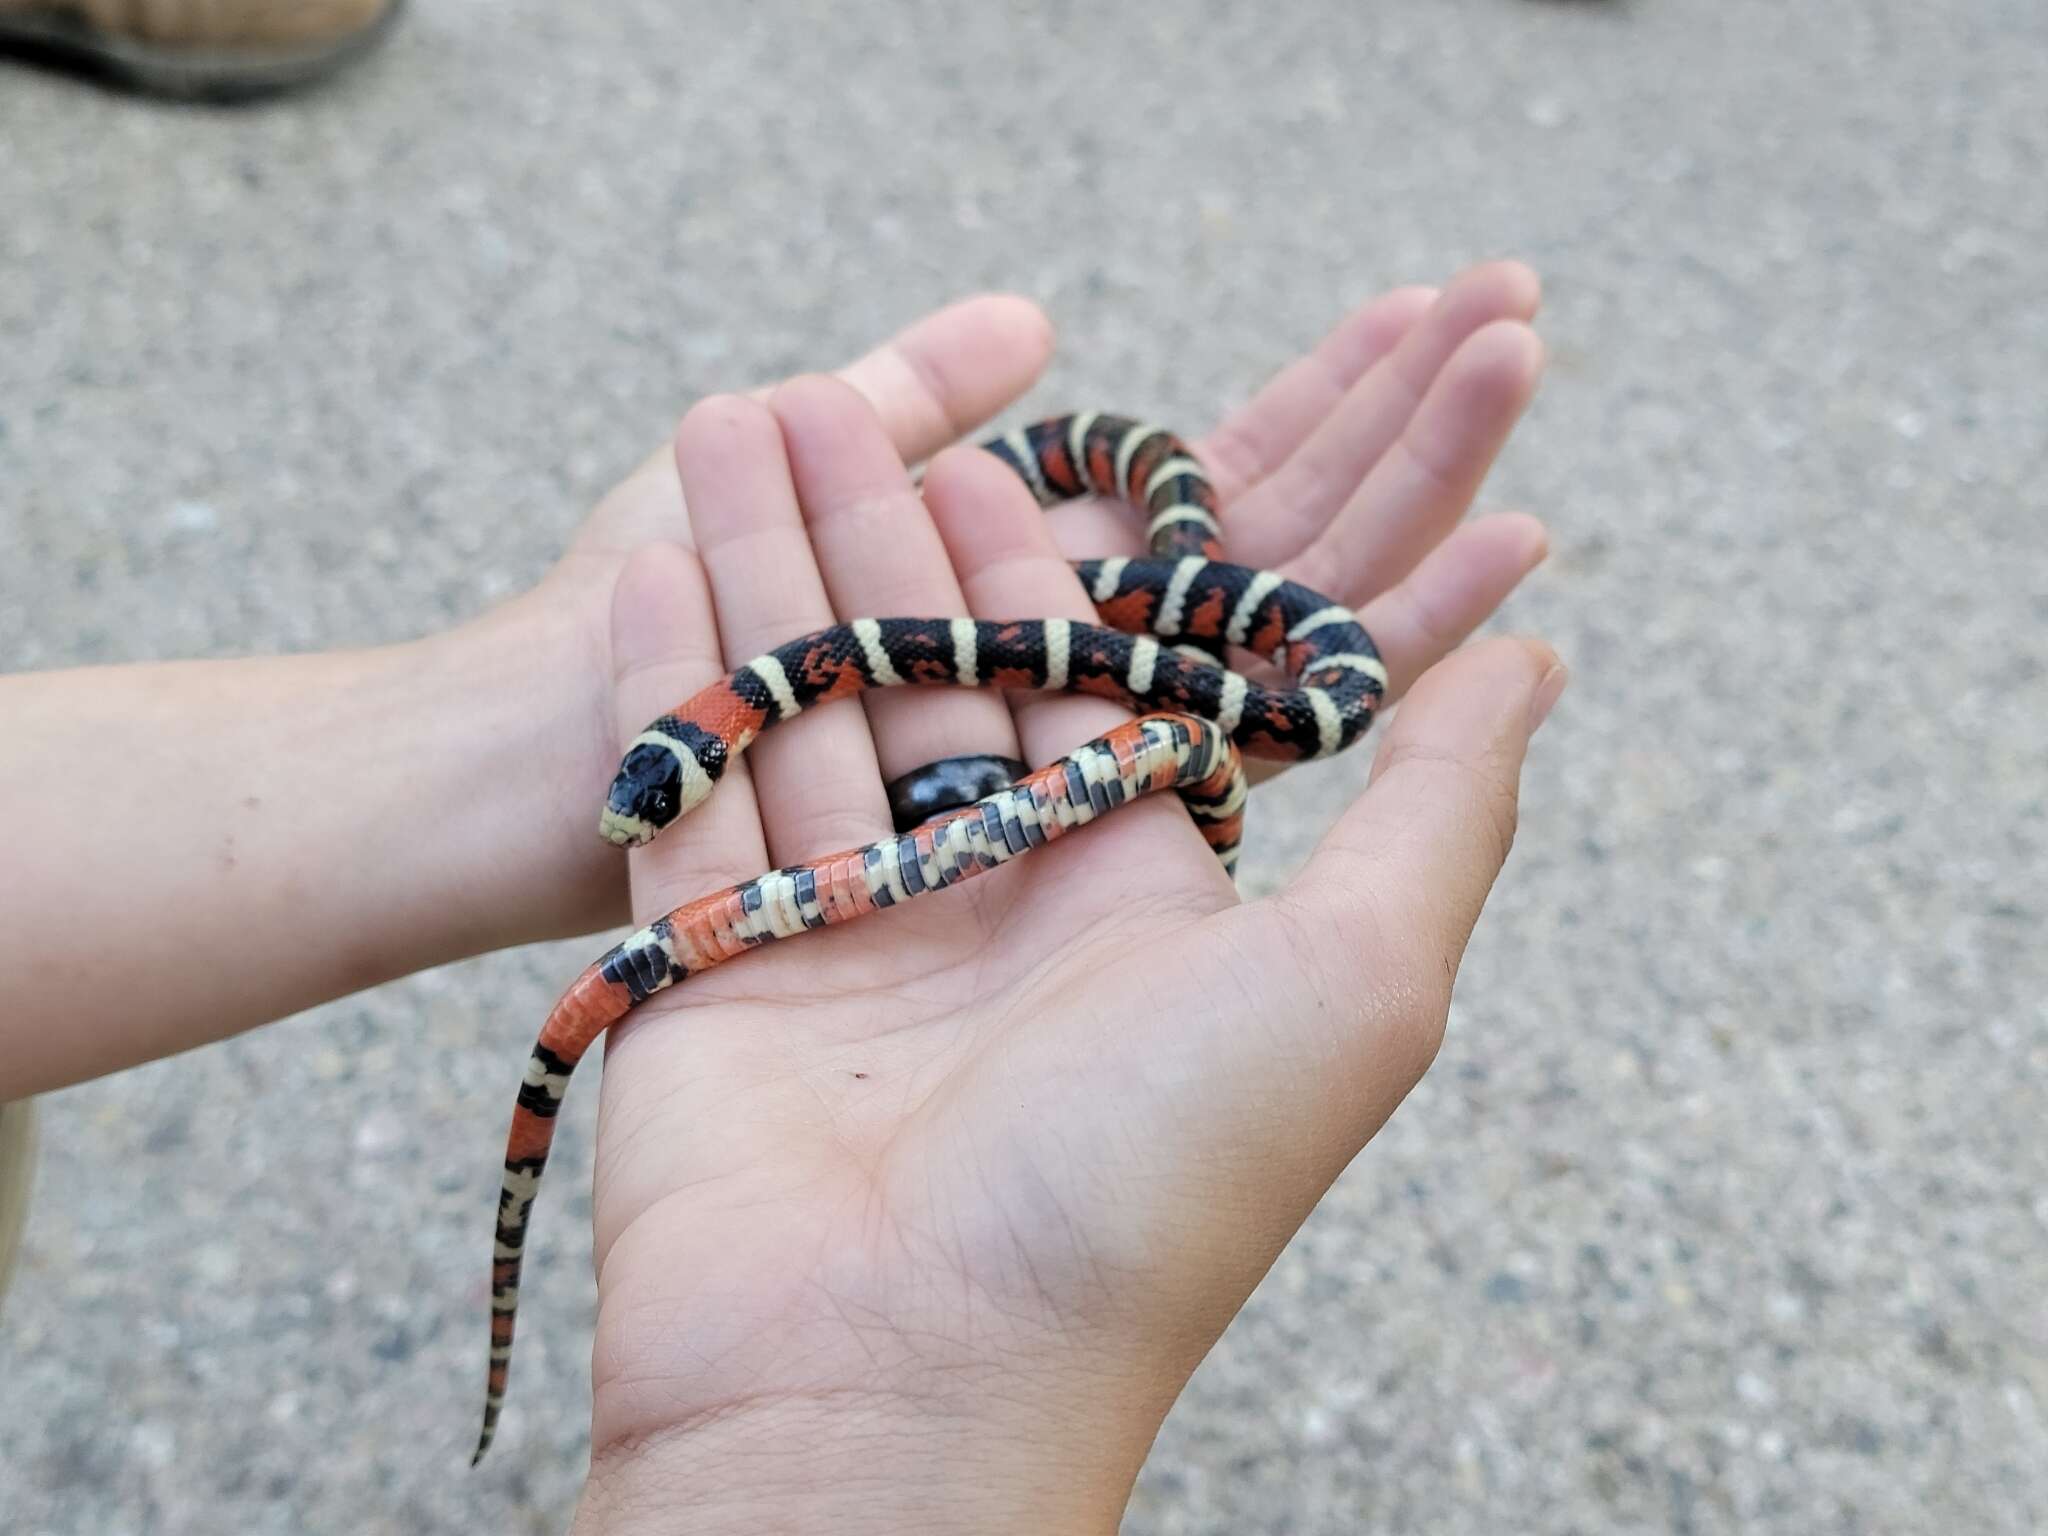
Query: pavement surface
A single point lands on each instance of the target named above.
(1726, 1205)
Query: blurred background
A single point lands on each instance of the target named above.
(1726, 1205)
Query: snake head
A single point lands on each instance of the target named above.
(647, 794)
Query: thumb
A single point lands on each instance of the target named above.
(1385, 906)
(1265, 1044)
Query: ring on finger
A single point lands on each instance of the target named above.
(946, 785)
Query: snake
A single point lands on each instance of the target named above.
(1167, 622)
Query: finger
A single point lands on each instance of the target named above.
(1256, 439)
(1451, 593)
(1425, 482)
(944, 375)
(935, 380)
(1009, 568)
(1287, 511)
(1378, 919)
(665, 648)
(1268, 1042)
(882, 558)
(815, 779)
(645, 506)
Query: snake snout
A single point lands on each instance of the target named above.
(623, 831)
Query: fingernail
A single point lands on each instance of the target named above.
(1547, 693)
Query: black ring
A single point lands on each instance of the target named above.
(951, 782)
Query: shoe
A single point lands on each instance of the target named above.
(216, 49)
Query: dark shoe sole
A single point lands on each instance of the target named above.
(205, 74)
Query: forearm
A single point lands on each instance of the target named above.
(195, 848)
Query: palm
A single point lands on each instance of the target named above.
(901, 1150)
(837, 1123)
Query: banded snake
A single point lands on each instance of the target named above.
(1168, 620)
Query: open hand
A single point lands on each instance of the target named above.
(924, 1221)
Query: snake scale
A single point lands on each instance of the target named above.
(1167, 622)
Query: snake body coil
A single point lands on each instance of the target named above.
(1167, 623)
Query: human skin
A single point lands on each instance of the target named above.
(259, 844)
(921, 1224)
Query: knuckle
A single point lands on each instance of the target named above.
(816, 390)
(724, 415)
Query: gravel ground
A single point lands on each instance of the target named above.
(1724, 1208)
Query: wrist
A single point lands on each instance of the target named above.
(522, 750)
(854, 1463)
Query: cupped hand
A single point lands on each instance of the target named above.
(930, 385)
(922, 1222)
